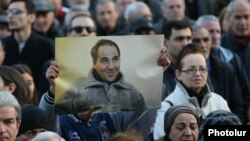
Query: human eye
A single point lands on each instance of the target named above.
(203, 70)
(190, 71)
(180, 126)
(246, 17)
(104, 60)
(116, 59)
(9, 121)
(179, 38)
(237, 17)
(193, 126)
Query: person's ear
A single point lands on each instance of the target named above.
(165, 42)
(32, 17)
(178, 74)
(12, 87)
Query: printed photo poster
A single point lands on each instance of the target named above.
(77, 88)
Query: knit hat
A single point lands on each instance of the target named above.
(173, 112)
(32, 118)
(141, 23)
(219, 117)
(43, 6)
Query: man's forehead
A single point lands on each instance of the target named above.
(181, 32)
(107, 49)
(17, 4)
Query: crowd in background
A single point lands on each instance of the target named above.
(206, 41)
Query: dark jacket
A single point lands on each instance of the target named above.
(88, 91)
(99, 128)
(169, 81)
(225, 83)
(243, 51)
(37, 50)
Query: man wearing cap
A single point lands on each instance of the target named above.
(46, 23)
(142, 26)
(184, 116)
(24, 45)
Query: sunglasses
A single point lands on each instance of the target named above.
(79, 29)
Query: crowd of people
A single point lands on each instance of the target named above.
(206, 69)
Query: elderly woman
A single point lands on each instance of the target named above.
(191, 88)
(181, 122)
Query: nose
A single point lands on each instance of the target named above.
(84, 32)
(2, 128)
(188, 132)
(110, 65)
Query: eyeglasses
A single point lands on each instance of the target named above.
(15, 11)
(198, 40)
(194, 70)
(79, 29)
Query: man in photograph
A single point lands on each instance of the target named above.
(104, 88)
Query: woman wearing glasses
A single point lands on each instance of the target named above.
(191, 88)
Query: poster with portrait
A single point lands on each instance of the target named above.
(112, 81)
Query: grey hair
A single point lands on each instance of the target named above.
(132, 9)
(44, 136)
(197, 27)
(232, 3)
(202, 19)
(7, 99)
(75, 8)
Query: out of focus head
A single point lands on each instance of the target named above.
(173, 9)
(45, 15)
(28, 77)
(48, 136)
(224, 20)
(191, 68)
(39, 120)
(130, 135)
(212, 24)
(4, 27)
(137, 10)
(106, 14)
(142, 26)
(239, 17)
(181, 122)
(11, 80)
(122, 5)
(21, 14)
(10, 116)
(2, 52)
(219, 117)
(81, 25)
(177, 34)
(203, 39)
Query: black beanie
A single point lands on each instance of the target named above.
(219, 117)
(32, 118)
(173, 112)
